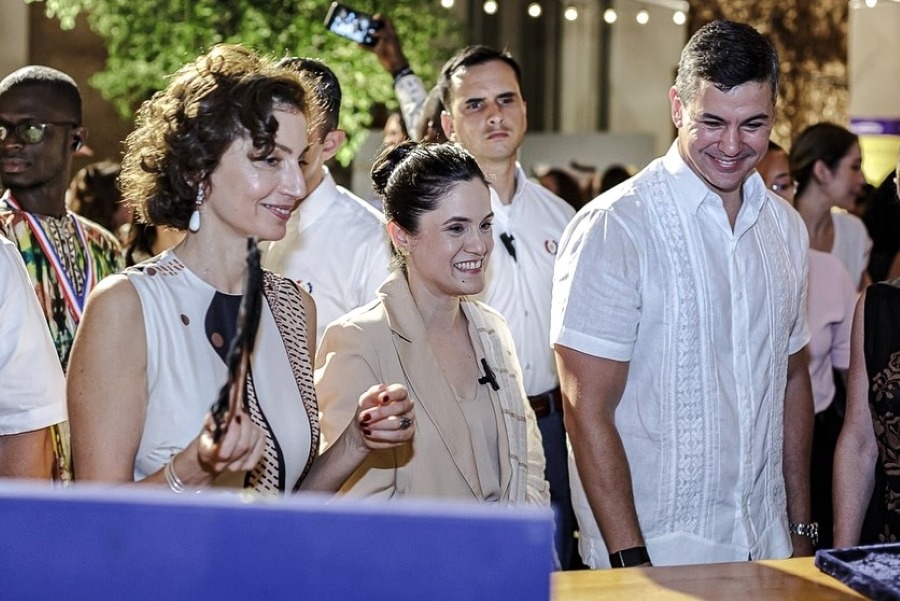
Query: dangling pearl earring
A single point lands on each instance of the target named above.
(194, 223)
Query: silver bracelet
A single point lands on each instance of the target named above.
(172, 479)
(175, 483)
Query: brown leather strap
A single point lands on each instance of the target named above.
(546, 403)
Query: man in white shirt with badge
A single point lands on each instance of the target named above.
(336, 246)
(486, 114)
(679, 310)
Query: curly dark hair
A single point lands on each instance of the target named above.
(183, 131)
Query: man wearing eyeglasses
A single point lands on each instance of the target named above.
(65, 254)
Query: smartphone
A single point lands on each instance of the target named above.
(351, 23)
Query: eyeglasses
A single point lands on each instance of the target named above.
(30, 132)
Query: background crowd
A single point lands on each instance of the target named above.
(695, 367)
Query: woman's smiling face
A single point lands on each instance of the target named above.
(449, 254)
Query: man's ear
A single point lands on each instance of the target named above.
(677, 107)
(79, 138)
(447, 126)
(332, 143)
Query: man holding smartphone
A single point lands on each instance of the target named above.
(410, 91)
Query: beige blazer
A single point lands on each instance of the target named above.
(384, 341)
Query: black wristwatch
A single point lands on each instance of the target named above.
(628, 558)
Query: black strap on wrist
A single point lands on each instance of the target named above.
(627, 558)
(401, 72)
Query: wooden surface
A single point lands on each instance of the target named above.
(758, 580)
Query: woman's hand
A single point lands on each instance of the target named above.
(385, 417)
(238, 449)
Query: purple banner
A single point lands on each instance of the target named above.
(868, 126)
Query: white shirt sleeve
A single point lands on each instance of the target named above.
(596, 305)
(32, 393)
(411, 94)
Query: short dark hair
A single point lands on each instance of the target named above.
(412, 177)
(322, 85)
(39, 75)
(826, 142)
(471, 56)
(429, 128)
(613, 176)
(183, 131)
(726, 54)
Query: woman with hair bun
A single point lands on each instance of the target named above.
(477, 438)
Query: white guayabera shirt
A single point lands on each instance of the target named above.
(653, 274)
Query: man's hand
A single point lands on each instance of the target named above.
(387, 46)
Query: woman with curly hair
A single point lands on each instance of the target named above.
(867, 459)
(219, 153)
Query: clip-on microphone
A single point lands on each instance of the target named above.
(489, 377)
(507, 240)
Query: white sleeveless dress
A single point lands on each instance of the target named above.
(189, 325)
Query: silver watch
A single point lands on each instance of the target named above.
(810, 531)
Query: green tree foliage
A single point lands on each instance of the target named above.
(149, 40)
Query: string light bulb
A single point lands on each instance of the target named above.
(642, 17)
(571, 13)
(490, 7)
(679, 18)
(534, 10)
(610, 16)
(447, 3)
